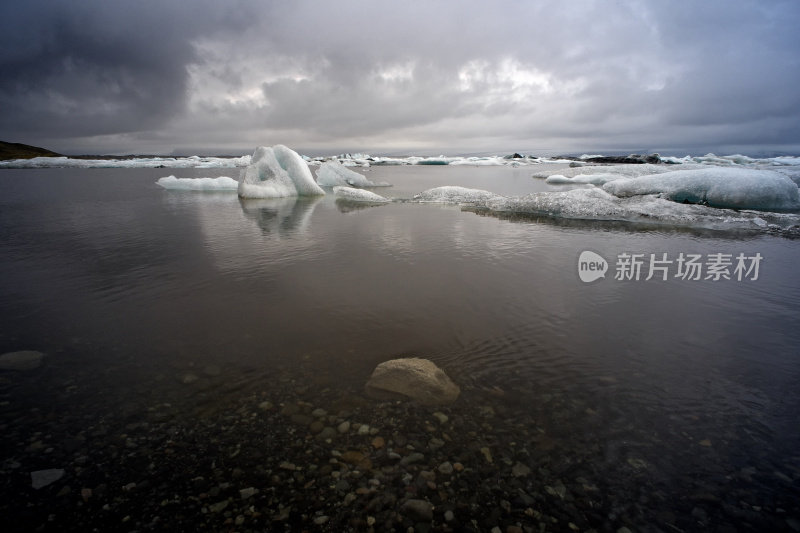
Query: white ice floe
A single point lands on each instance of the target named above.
(620, 171)
(596, 204)
(333, 173)
(137, 162)
(441, 160)
(484, 161)
(737, 188)
(366, 160)
(222, 183)
(277, 172)
(582, 179)
(734, 160)
(452, 194)
(793, 173)
(358, 195)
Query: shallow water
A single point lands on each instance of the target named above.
(128, 287)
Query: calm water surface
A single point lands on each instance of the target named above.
(126, 285)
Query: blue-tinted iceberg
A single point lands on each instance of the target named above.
(358, 195)
(333, 173)
(594, 203)
(735, 188)
(277, 172)
(222, 183)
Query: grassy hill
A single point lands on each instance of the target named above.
(23, 151)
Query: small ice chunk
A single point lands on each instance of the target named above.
(358, 195)
(482, 161)
(557, 179)
(583, 179)
(452, 194)
(736, 188)
(441, 160)
(222, 183)
(277, 172)
(333, 173)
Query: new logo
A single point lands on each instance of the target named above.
(591, 266)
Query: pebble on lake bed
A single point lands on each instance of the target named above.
(43, 478)
(22, 360)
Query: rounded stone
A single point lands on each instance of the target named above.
(22, 360)
(412, 378)
(417, 510)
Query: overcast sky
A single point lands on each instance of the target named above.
(427, 77)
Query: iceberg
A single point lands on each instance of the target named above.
(333, 173)
(222, 183)
(725, 187)
(596, 204)
(277, 172)
(793, 173)
(358, 195)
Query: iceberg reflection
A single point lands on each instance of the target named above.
(280, 216)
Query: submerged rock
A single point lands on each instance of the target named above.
(22, 360)
(413, 378)
(43, 478)
(417, 510)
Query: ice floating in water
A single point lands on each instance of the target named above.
(222, 183)
(366, 160)
(358, 195)
(333, 173)
(277, 172)
(441, 160)
(582, 179)
(620, 171)
(736, 188)
(596, 204)
(136, 162)
(484, 161)
(451, 194)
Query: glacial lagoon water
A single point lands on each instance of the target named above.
(677, 397)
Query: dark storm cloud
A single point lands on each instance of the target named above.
(96, 67)
(432, 75)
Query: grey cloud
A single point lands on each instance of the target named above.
(94, 68)
(671, 74)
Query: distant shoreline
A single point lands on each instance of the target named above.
(23, 151)
(9, 151)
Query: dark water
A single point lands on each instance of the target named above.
(126, 287)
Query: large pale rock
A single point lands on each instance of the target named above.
(23, 360)
(413, 378)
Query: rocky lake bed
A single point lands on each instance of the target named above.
(207, 448)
